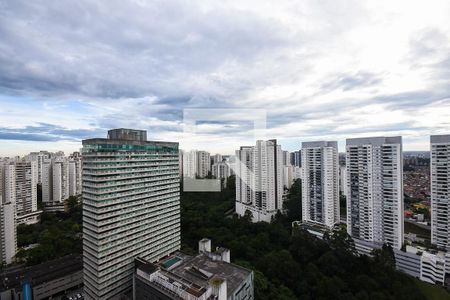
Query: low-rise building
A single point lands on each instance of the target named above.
(207, 275)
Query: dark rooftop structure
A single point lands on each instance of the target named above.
(123, 139)
(127, 134)
(41, 273)
(45, 280)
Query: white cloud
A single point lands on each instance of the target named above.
(322, 69)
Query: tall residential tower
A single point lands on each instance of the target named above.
(375, 190)
(131, 208)
(440, 191)
(259, 180)
(320, 184)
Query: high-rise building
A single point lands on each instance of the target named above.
(288, 176)
(216, 158)
(221, 170)
(8, 236)
(189, 163)
(342, 180)
(244, 177)
(39, 157)
(131, 208)
(320, 185)
(196, 163)
(74, 174)
(375, 190)
(20, 187)
(203, 164)
(55, 180)
(440, 191)
(259, 180)
(296, 159)
(286, 158)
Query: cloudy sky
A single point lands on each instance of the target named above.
(315, 69)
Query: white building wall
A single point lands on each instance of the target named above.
(440, 193)
(320, 183)
(259, 180)
(124, 216)
(8, 235)
(72, 178)
(47, 179)
(203, 164)
(375, 190)
(288, 176)
(189, 163)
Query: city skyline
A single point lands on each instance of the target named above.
(323, 71)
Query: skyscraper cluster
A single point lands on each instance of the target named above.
(372, 182)
(61, 178)
(259, 180)
(196, 163)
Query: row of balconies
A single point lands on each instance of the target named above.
(132, 170)
(145, 200)
(110, 259)
(129, 182)
(108, 190)
(120, 212)
(97, 178)
(105, 277)
(126, 166)
(125, 196)
(113, 222)
(106, 203)
(106, 229)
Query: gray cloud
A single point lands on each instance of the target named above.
(48, 133)
(109, 49)
(347, 82)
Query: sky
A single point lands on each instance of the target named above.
(306, 69)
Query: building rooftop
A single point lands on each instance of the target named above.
(376, 141)
(233, 274)
(196, 273)
(123, 136)
(38, 274)
(319, 144)
(444, 138)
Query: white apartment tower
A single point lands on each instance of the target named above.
(203, 163)
(221, 170)
(55, 181)
(375, 190)
(39, 157)
(244, 177)
(189, 163)
(216, 158)
(320, 183)
(131, 208)
(440, 191)
(20, 187)
(196, 163)
(259, 180)
(8, 236)
(75, 183)
(286, 158)
(343, 180)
